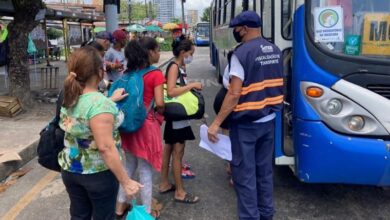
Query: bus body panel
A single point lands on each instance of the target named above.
(323, 156)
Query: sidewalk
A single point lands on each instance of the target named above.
(21, 134)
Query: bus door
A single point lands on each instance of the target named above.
(277, 19)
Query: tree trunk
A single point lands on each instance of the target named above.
(19, 29)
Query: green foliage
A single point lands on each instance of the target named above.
(138, 11)
(176, 20)
(206, 15)
(166, 45)
(53, 33)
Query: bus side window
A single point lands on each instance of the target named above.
(266, 14)
(252, 5)
(228, 11)
(219, 12)
(222, 11)
(215, 14)
(239, 7)
(287, 19)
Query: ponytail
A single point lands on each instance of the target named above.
(84, 64)
(73, 90)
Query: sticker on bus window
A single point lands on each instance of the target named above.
(352, 45)
(328, 24)
(376, 34)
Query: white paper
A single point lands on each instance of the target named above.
(222, 148)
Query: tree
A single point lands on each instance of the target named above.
(206, 15)
(175, 20)
(54, 33)
(24, 22)
(138, 11)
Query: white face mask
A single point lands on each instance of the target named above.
(188, 60)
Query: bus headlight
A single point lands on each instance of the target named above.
(356, 123)
(342, 114)
(334, 106)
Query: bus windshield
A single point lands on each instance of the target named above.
(352, 27)
(203, 30)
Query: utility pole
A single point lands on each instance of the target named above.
(129, 10)
(111, 14)
(182, 13)
(146, 9)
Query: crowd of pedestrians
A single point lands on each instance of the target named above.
(99, 161)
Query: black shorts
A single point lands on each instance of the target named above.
(173, 136)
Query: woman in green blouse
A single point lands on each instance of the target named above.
(90, 161)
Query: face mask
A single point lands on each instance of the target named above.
(187, 60)
(237, 36)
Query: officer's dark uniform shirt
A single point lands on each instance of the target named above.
(262, 90)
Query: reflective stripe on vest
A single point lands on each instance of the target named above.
(259, 105)
(269, 83)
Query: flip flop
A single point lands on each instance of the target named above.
(188, 199)
(171, 189)
(187, 174)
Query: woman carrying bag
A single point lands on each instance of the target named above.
(143, 148)
(176, 133)
(90, 162)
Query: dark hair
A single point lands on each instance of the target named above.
(93, 44)
(83, 64)
(181, 44)
(149, 43)
(137, 57)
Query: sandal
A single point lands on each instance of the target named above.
(127, 209)
(156, 214)
(171, 189)
(187, 174)
(188, 199)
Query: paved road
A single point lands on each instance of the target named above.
(40, 195)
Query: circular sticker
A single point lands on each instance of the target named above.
(328, 18)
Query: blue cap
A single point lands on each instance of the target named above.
(247, 18)
(105, 35)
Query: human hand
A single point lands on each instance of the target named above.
(118, 95)
(131, 188)
(196, 85)
(212, 133)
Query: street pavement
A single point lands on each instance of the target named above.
(40, 195)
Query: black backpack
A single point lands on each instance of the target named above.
(51, 142)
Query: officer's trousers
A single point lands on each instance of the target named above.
(252, 149)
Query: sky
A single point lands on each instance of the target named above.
(199, 5)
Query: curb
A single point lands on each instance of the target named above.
(27, 154)
(30, 152)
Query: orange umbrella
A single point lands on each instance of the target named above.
(170, 26)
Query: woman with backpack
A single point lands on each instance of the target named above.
(143, 148)
(176, 133)
(90, 162)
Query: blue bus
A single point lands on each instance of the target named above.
(202, 34)
(335, 126)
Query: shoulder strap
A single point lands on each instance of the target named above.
(169, 67)
(180, 76)
(59, 103)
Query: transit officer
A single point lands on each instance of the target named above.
(255, 94)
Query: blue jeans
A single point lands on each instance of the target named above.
(252, 171)
(91, 195)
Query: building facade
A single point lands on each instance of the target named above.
(165, 10)
(192, 17)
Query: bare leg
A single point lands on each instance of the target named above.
(177, 157)
(164, 182)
